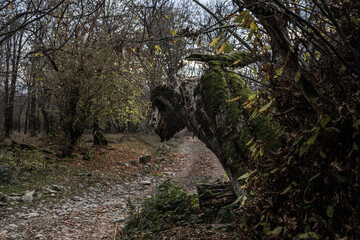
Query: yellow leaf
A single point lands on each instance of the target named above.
(253, 25)
(278, 72)
(230, 17)
(297, 75)
(233, 100)
(265, 107)
(173, 32)
(252, 97)
(215, 41)
(11, 6)
(240, 18)
(222, 48)
(236, 62)
(255, 70)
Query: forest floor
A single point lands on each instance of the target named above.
(90, 197)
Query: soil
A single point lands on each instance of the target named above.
(99, 210)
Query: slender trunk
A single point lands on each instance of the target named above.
(16, 53)
(27, 117)
(6, 89)
(20, 113)
(33, 109)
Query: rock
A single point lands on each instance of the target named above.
(49, 189)
(76, 198)
(120, 220)
(162, 159)
(28, 196)
(13, 198)
(29, 215)
(56, 187)
(3, 233)
(145, 159)
(170, 174)
(146, 182)
(134, 163)
(39, 236)
(12, 226)
(14, 237)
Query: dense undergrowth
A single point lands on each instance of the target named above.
(171, 213)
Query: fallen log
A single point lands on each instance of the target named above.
(215, 194)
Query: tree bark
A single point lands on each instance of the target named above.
(206, 109)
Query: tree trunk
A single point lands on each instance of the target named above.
(32, 111)
(99, 139)
(16, 53)
(206, 108)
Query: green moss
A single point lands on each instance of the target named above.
(214, 91)
(240, 58)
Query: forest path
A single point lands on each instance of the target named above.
(101, 209)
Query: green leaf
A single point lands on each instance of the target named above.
(332, 129)
(265, 107)
(312, 139)
(315, 176)
(356, 124)
(355, 147)
(324, 120)
(313, 235)
(303, 150)
(286, 190)
(250, 141)
(330, 211)
(355, 20)
(322, 154)
(303, 236)
(297, 140)
(246, 175)
(289, 160)
(277, 231)
(342, 178)
(228, 48)
(297, 75)
(278, 72)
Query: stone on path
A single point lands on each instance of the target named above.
(145, 159)
(28, 196)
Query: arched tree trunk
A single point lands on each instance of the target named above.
(208, 109)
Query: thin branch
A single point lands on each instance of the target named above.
(220, 22)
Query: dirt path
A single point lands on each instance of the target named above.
(101, 208)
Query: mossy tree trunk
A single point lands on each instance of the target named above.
(204, 108)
